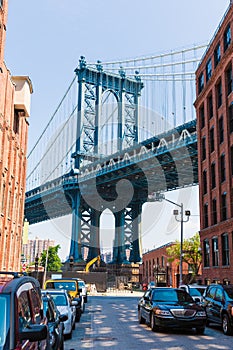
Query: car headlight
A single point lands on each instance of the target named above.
(162, 312)
(201, 314)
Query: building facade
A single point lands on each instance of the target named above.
(34, 248)
(15, 95)
(156, 268)
(214, 109)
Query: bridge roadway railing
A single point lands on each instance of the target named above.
(109, 165)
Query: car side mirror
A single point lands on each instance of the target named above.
(34, 332)
(63, 318)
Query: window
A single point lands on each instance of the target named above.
(224, 207)
(202, 116)
(221, 130)
(208, 69)
(206, 253)
(203, 148)
(227, 37)
(215, 252)
(229, 79)
(206, 215)
(3, 197)
(225, 249)
(16, 122)
(213, 178)
(222, 168)
(219, 94)
(214, 211)
(204, 182)
(212, 139)
(200, 83)
(217, 55)
(230, 117)
(210, 106)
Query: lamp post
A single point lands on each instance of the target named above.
(71, 262)
(36, 265)
(159, 197)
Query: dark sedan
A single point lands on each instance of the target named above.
(55, 322)
(170, 307)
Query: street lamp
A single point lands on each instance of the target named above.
(36, 265)
(159, 197)
(71, 262)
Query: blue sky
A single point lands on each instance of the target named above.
(46, 38)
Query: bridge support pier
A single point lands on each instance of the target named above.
(135, 254)
(94, 247)
(75, 245)
(119, 256)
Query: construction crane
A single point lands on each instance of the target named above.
(91, 262)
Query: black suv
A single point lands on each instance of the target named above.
(22, 324)
(218, 303)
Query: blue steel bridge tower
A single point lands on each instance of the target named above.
(95, 89)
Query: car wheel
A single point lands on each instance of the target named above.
(200, 330)
(78, 315)
(152, 323)
(226, 326)
(62, 343)
(141, 320)
(68, 336)
(83, 308)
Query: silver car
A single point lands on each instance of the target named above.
(66, 307)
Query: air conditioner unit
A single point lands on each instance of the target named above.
(22, 95)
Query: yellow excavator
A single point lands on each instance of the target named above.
(91, 262)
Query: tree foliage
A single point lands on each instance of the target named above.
(191, 253)
(53, 262)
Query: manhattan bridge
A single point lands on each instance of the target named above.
(123, 131)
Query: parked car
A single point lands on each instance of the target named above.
(83, 289)
(22, 323)
(65, 306)
(218, 303)
(55, 322)
(72, 287)
(167, 307)
(195, 290)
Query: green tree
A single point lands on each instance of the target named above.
(191, 254)
(53, 261)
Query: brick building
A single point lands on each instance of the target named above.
(15, 97)
(214, 109)
(155, 267)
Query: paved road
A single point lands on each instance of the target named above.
(110, 322)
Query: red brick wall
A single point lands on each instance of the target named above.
(219, 272)
(148, 270)
(13, 148)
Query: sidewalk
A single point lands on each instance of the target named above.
(118, 293)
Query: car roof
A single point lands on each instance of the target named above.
(11, 283)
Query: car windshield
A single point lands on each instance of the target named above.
(194, 292)
(62, 285)
(4, 321)
(170, 295)
(229, 291)
(81, 283)
(59, 299)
